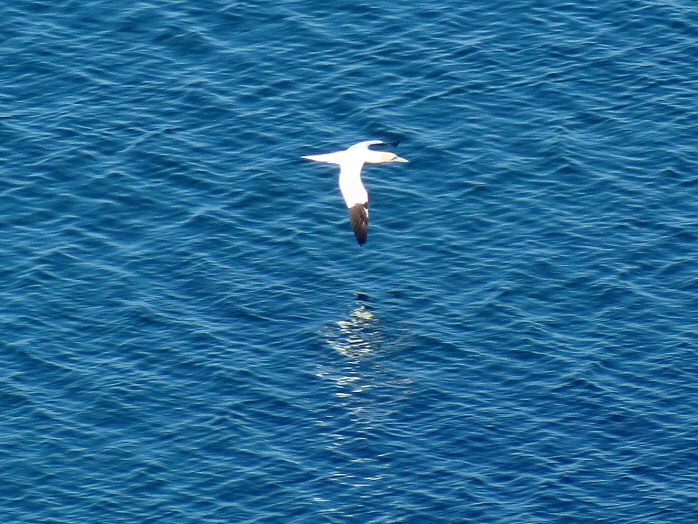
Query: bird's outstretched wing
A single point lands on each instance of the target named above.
(356, 198)
(366, 144)
(350, 184)
(358, 215)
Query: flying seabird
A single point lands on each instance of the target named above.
(350, 162)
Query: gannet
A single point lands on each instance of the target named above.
(350, 162)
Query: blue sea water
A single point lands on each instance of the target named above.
(189, 331)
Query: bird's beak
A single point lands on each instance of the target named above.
(400, 159)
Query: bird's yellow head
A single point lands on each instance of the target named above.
(384, 157)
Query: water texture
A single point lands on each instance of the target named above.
(190, 333)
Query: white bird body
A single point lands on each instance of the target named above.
(351, 161)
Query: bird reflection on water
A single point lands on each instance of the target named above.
(363, 373)
(356, 338)
(357, 335)
(366, 397)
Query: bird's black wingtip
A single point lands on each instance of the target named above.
(358, 215)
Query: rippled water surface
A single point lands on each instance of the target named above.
(190, 333)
